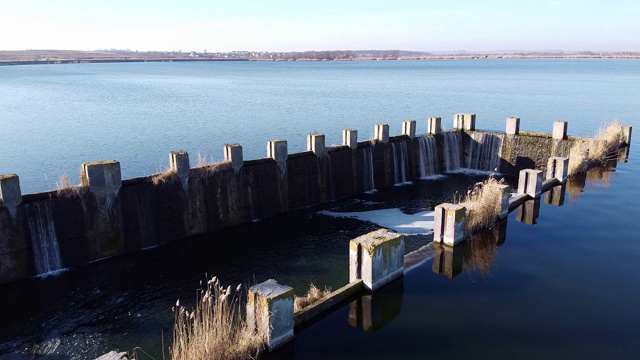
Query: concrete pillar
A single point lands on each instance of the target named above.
(464, 121)
(10, 193)
(382, 132)
(376, 258)
(530, 182)
(557, 168)
(555, 196)
(458, 121)
(448, 224)
(625, 137)
(179, 162)
(513, 126)
(104, 180)
(448, 260)
(504, 200)
(350, 138)
(278, 151)
(315, 143)
(528, 212)
(270, 309)
(434, 125)
(409, 128)
(233, 153)
(559, 130)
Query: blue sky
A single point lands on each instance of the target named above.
(279, 25)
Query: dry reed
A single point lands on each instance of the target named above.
(216, 329)
(594, 151)
(313, 295)
(579, 157)
(483, 204)
(164, 177)
(65, 189)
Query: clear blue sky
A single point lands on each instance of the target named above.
(279, 25)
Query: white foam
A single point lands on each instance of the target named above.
(467, 171)
(393, 219)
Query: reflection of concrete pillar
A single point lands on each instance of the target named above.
(559, 130)
(448, 261)
(315, 143)
(382, 132)
(278, 151)
(270, 309)
(528, 212)
(409, 128)
(555, 196)
(434, 124)
(530, 182)
(373, 311)
(501, 228)
(350, 138)
(376, 258)
(448, 224)
(557, 168)
(625, 137)
(104, 180)
(10, 193)
(623, 154)
(233, 153)
(179, 162)
(513, 126)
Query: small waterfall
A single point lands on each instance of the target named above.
(428, 156)
(400, 160)
(484, 152)
(452, 150)
(367, 171)
(46, 251)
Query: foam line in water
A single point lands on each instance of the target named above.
(393, 219)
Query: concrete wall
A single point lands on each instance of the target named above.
(145, 214)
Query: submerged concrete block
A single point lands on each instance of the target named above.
(504, 200)
(104, 179)
(278, 151)
(10, 193)
(434, 125)
(270, 309)
(513, 126)
(350, 138)
(448, 224)
(530, 182)
(376, 258)
(625, 137)
(382, 132)
(233, 154)
(315, 143)
(559, 130)
(179, 162)
(557, 168)
(409, 128)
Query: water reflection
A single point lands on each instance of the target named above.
(528, 212)
(555, 196)
(372, 311)
(623, 154)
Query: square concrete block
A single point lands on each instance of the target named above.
(513, 126)
(376, 258)
(557, 168)
(409, 128)
(530, 182)
(233, 153)
(315, 143)
(448, 224)
(559, 130)
(103, 176)
(434, 125)
(382, 132)
(270, 308)
(350, 138)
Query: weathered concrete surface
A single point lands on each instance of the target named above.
(233, 154)
(530, 151)
(304, 316)
(315, 144)
(530, 182)
(434, 125)
(270, 308)
(10, 193)
(179, 163)
(448, 224)
(376, 258)
(513, 126)
(557, 168)
(381, 132)
(409, 128)
(350, 138)
(559, 130)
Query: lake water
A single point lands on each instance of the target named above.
(565, 287)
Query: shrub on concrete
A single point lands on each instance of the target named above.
(483, 204)
(313, 295)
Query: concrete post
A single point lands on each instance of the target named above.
(504, 200)
(278, 151)
(233, 153)
(555, 196)
(458, 121)
(315, 143)
(464, 121)
(434, 125)
(559, 130)
(179, 162)
(448, 224)
(376, 258)
(270, 309)
(513, 126)
(625, 137)
(382, 132)
(104, 180)
(350, 138)
(10, 193)
(409, 128)
(557, 168)
(530, 182)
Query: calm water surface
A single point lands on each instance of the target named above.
(565, 287)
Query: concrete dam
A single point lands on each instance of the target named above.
(106, 216)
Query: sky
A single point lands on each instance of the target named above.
(279, 25)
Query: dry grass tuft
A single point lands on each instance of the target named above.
(211, 169)
(204, 161)
(216, 328)
(610, 135)
(313, 295)
(65, 189)
(588, 151)
(483, 204)
(579, 157)
(164, 177)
